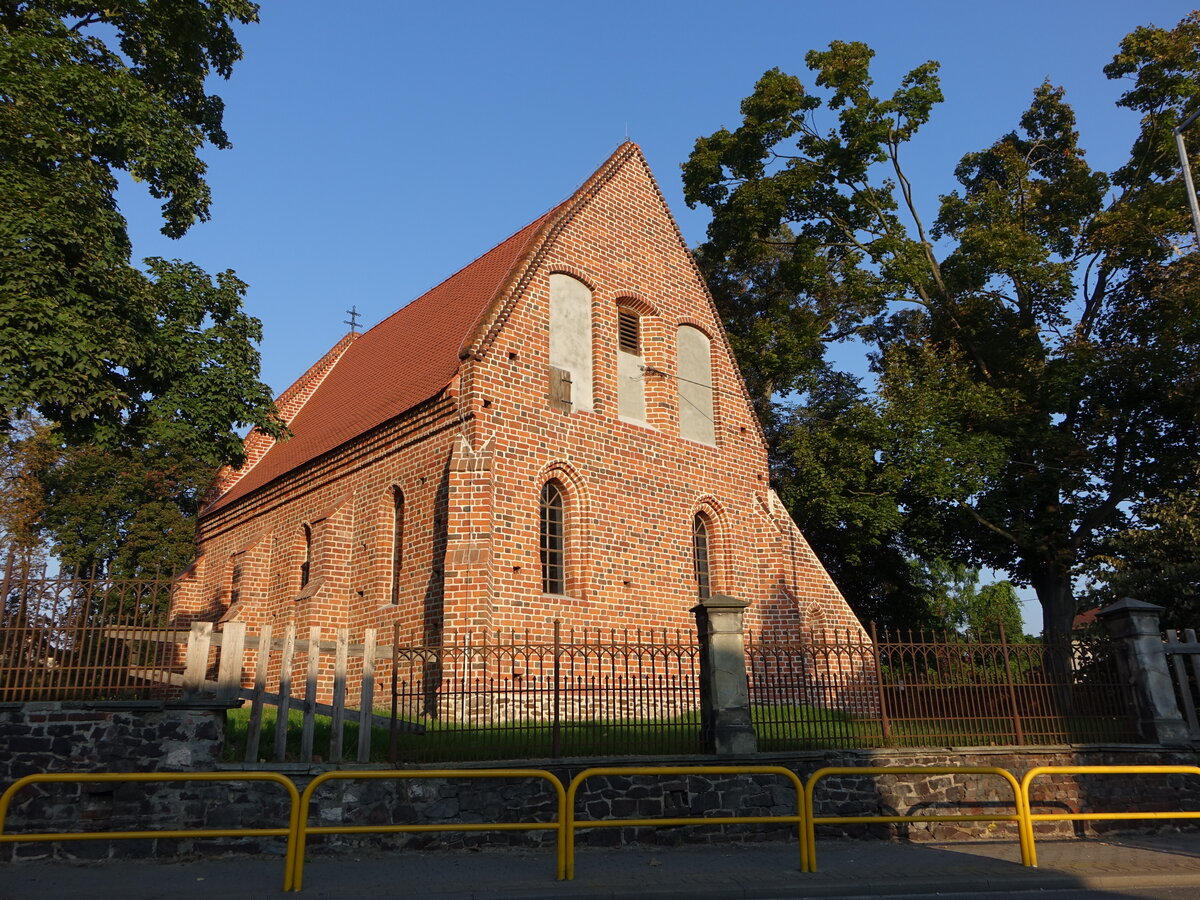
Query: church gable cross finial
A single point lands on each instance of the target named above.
(353, 320)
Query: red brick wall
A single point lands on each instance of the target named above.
(632, 490)
(471, 465)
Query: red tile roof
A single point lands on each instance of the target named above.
(407, 358)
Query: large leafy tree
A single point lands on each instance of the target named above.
(1036, 366)
(140, 377)
(110, 353)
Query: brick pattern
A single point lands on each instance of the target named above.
(471, 464)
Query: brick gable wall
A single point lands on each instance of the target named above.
(471, 464)
(632, 489)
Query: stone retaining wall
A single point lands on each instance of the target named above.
(55, 737)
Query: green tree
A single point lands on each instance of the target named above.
(123, 514)
(1036, 345)
(958, 602)
(112, 354)
(25, 453)
(1157, 561)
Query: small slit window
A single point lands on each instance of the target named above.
(553, 540)
(629, 331)
(700, 557)
(397, 542)
(235, 580)
(306, 557)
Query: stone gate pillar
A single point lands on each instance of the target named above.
(1134, 626)
(724, 690)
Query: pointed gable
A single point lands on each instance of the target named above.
(415, 353)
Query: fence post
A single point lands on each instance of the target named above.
(556, 725)
(366, 703)
(392, 746)
(725, 728)
(1134, 625)
(1013, 709)
(229, 671)
(261, 662)
(199, 639)
(884, 719)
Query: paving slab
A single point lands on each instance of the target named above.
(760, 870)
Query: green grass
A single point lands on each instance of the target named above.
(779, 728)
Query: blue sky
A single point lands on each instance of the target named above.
(380, 146)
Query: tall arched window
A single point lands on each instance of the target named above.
(397, 541)
(700, 557)
(695, 385)
(553, 539)
(306, 557)
(570, 344)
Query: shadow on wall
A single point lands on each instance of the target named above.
(434, 604)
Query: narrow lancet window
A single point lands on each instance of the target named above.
(700, 557)
(306, 557)
(397, 542)
(553, 540)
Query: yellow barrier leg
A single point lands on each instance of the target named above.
(301, 838)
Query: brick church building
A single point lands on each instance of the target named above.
(556, 431)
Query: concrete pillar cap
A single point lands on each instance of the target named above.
(720, 602)
(1128, 604)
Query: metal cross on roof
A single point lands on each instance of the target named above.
(353, 320)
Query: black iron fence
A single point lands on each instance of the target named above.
(581, 693)
(921, 690)
(584, 693)
(85, 639)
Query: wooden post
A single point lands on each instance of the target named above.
(254, 728)
(229, 673)
(199, 640)
(285, 692)
(339, 696)
(366, 702)
(310, 693)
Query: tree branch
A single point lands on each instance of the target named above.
(988, 525)
(906, 190)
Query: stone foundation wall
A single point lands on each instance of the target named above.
(108, 737)
(56, 737)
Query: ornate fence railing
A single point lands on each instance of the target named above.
(565, 693)
(581, 693)
(85, 639)
(918, 690)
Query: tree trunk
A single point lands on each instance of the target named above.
(1056, 595)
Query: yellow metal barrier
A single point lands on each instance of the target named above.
(1020, 816)
(1033, 773)
(303, 829)
(99, 777)
(572, 824)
